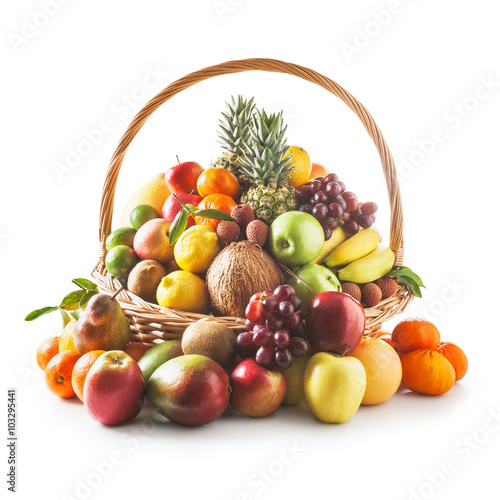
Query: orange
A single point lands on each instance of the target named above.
(382, 367)
(136, 349)
(317, 170)
(414, 333)
(58, 373)
(66, 342)
(218, 202)
(80, 370)
(218, 180)
(46, 351)
(456, 357)
(428, 372)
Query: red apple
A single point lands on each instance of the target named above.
(114, 388)
(172, 207)
(256, 391)
(151, 241)
(191, 389)
(182, 177)
(335, 322)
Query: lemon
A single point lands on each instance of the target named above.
(196, 248)
(66, 342)
(302, 165)
(183, 290)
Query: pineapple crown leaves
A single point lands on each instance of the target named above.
(234, 129)
(265, 152)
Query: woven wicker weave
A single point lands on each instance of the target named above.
(151, 323)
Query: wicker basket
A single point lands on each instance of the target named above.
(151, 323)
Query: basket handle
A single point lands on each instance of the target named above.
(271, 65)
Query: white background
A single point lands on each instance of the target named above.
(417, 70)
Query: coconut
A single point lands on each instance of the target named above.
(239, 271)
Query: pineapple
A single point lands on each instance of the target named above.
(234, 132)
(264, 165)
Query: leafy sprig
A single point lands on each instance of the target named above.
(180, 222)
(407, 276)
(75, 301)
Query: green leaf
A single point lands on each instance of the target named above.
(85, 284)
(178, 226)
(214, 214)
(40, 312)
(412, 284)
(191, 209)
(86, 297)
(393, 272)
(65, 317)
(406, 271)
(71, 301)
(76, 314)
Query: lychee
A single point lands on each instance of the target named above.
(243, 214)
(387, 285)
(371, 294)
(257, 232)
(352, 289)
(228, 231)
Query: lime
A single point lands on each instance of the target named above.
(120, 260)
(142, 214)
(122, 236)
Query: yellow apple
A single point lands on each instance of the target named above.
(334, 386)
(295, 380)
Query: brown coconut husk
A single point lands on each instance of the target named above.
(239, 271)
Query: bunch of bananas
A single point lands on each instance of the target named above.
(360, 258)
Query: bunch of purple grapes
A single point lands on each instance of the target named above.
(274, 328)
(327, 200)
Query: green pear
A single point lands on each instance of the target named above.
(294, 375)
(103, 325)
(334, 386)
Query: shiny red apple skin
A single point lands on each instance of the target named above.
(172, 207)
(256, 391)
(114, 388)
(335, 323)
(182, 178)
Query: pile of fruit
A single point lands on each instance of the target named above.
(266, 235)
(192, 381)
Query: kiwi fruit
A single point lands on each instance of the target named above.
(144, 279)
(211, 339)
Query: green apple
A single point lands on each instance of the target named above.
(296, 238)
(334, 386)
(318, 278)
(295, 380)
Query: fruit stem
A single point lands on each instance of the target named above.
(189, 210)
(117, 292)
(348, 347)
(177, 156)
